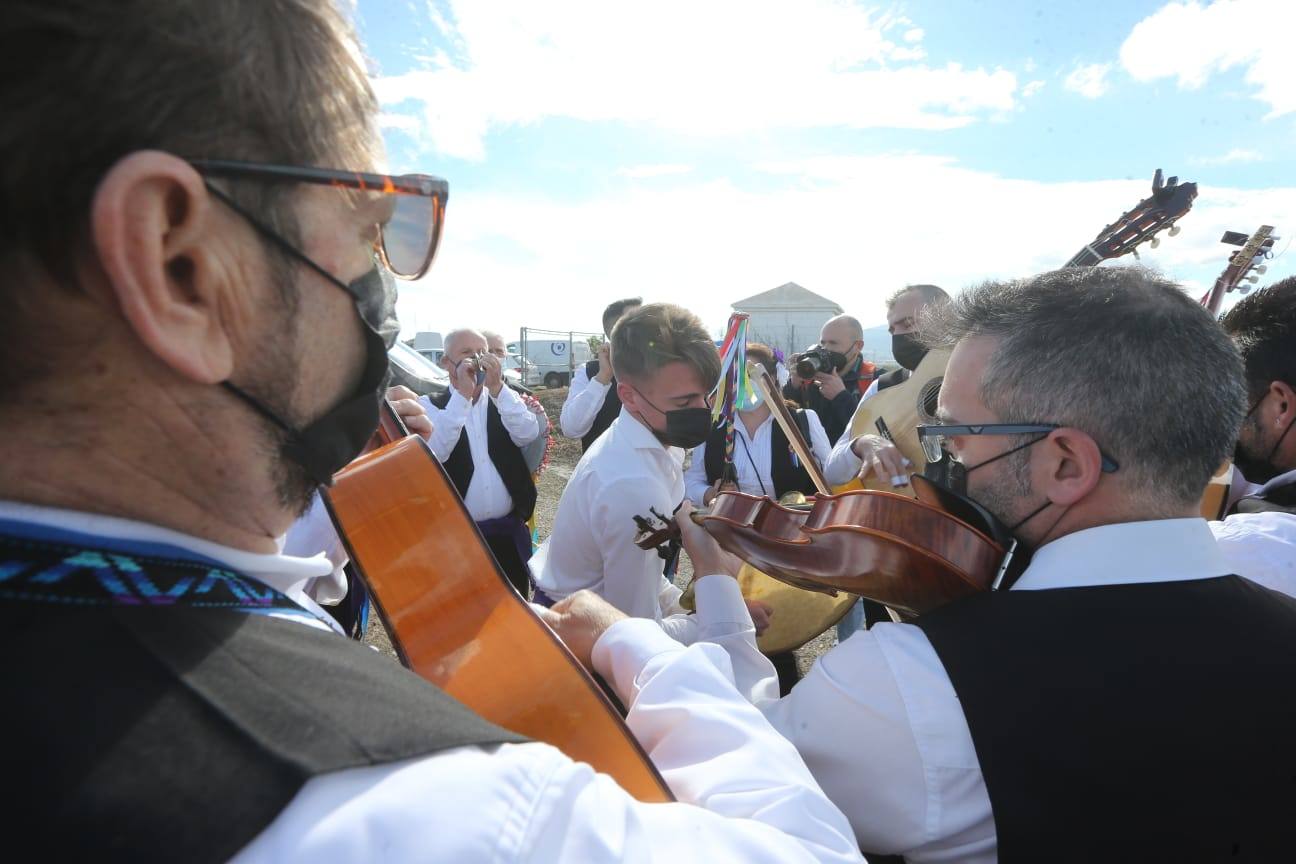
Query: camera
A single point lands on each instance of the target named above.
(817, 359)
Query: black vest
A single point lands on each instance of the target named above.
(1136, 722)
(609, 411)
(896, 376)
(504, 455)
(1280, 500)
(787, 477)
(179, 734)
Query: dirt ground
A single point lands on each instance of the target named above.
(563, 457)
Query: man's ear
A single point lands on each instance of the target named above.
(151, 223)
(1072, 466)
(1285, 403)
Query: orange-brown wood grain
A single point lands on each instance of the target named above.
(456, 621)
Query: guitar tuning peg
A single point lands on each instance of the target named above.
(1244, 289)
(1262, 268)
(1156, 241)
(1252, 279)
(1174, 231)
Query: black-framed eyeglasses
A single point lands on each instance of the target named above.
(407, 242)
(933, 437)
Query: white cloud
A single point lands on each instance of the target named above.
(1234, 156)
(1190, 43)
(1031, 88)
(852, 228)
(1090, 80)
(723, 67)
(639, 172)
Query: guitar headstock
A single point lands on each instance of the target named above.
(1158, 212)
(1244, 266)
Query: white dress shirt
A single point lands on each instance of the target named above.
(1260, 547)
(879, 723)
(585, 397)
(752, 458)
(624, 474)
(755, 800)
(487, 498)
(313, 534)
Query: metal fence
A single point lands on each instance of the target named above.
(550, 357)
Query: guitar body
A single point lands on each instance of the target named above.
(456, 621)
(901, 409)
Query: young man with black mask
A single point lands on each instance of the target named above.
(592, 402)
(1125, 697)
(665, 364)
(1259, 532)
(833, 393)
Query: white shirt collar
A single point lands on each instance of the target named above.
(286, 574)
(637, 434)
(1165, 550)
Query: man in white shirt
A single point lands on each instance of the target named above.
(666, 365)
(479, 428)
(592, 400)
(1258, 534)
(1128, 698)
(199, 353)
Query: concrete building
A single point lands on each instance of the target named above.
(787, 317)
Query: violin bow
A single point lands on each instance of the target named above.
(774, 401)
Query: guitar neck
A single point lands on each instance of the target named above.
(1086, 257)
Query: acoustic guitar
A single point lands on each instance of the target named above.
(1240, 265)
(1238, 270)
(455, 620)
(894, 413)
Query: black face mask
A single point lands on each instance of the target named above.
(326, 446)
(907, 350)
(1253, 468)
(956, 477)
(685, 427)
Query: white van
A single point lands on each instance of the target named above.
(553, 359)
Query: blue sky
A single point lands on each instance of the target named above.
(700, 152)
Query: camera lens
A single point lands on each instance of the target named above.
(808, 366)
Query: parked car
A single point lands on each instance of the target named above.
(417, 372)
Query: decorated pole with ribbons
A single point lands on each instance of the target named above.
(734, 391)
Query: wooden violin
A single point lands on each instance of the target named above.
(455, 619)
(909, 554)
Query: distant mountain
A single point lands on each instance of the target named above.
(877, 345)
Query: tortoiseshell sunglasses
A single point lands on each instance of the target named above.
(407, 242)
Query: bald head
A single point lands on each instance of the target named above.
(463, 343)
(844, 335)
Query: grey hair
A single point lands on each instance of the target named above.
(1121, 353)
(928, 292)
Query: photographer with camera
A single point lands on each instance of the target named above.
(830, 377)
(480, 441)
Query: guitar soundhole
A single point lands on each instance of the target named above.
(927, 400)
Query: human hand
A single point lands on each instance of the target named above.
(490, 364)
(579, 620)
(761, 613)
(881, 457)
(404, 402)
(604, 375)
(464, 377)
(703, 550)
(830, 384)
(715, 489)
